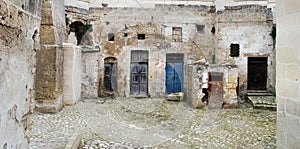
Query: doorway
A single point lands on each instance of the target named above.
(139, 73)
(215, 90)
(174, 72)
(110, 75)
(257, 73)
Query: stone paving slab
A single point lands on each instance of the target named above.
(153, 123)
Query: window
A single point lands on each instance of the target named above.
(200, 28)
(234, 50)
(111, 37)
(141, 36)
(177, 34)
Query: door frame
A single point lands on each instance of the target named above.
(264, 62)
(113, 77)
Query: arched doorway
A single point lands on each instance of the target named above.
(110, 75)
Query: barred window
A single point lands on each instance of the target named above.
(234, 50)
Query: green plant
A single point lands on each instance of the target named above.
(88, 27)
(67, 20)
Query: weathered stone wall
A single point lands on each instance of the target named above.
(19, 41)
(197, 79)
(72, 74)
(157, 25)
(49, 73)
(89, 75)
(249, 26)
(219, 24)
(288, 73)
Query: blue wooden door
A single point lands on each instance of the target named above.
(174, 77)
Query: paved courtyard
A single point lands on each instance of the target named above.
(153, 123)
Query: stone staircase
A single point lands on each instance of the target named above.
(262, 100)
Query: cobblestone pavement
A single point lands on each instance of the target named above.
(154, 123)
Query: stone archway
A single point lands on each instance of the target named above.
(82, 33)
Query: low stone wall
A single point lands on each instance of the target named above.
(197, 80)
(72, 74)
(89, 77)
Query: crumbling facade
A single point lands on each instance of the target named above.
(19, 42)
(152, 48)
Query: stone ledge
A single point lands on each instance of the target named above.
(74, 141)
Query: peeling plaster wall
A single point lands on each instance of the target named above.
(19, 41)
(250, 27)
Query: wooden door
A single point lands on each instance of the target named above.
(110, 76)
(139, 73)
(215, 91)
(174, 77)
(174, 73)
(257, 73)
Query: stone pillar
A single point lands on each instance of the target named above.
(72, 74)
(288, 74)
(49, 72)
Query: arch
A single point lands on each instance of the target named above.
(78, 28)
(110, 60)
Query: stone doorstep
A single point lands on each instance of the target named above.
(74, 141)
(260, 94)
(263, 102)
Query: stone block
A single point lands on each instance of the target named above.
(74, 141)
(281, 70)
(47, 35)
(293, 72)
(293, 142)
(175, 97)
(47, 18)
(291, 6)
(293, 107)
(288, 89)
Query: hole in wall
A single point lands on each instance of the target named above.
(23, 6)
(141, 36)
(111, 37)
(125, 34)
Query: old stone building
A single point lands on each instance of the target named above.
(149, 49)
(144, 49)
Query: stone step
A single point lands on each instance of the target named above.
(260, 94)
(263, 102)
